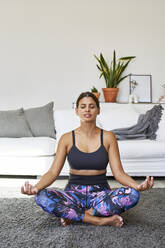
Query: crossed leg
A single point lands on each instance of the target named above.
(69, 209)
(114, 220)
(103, 212)
(112, 204)
(61, 204)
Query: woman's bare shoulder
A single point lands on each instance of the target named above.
(65, 138)
(109, 136)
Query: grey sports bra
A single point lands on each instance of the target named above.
(96, 160)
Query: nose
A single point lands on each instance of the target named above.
(87, 108)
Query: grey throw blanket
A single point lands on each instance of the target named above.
(145, 128)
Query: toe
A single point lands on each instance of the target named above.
(121, 219)
(63, 222)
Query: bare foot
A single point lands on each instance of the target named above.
(66, 222)
(114, 220)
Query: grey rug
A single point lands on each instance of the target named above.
(24, 224)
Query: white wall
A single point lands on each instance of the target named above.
(47, 47)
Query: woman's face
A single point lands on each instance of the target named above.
(87, 109)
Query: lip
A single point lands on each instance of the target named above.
(87, 115)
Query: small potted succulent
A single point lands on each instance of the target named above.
(95, 92)
(113, 74)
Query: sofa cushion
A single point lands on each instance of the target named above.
(27, 146)
(13, 124)
(118, 117)
(139, 149)
(41, 120)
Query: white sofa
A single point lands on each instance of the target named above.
(33, 156)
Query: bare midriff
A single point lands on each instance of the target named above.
(87, 172)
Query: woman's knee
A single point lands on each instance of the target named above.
(130, 197)
(45, 201)
(41, 198)
(134, 196)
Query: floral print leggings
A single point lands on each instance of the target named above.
(76, 199)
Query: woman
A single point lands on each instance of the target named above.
(87, 197)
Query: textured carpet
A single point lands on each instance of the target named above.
(23, 224)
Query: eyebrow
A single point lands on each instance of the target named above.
(85, 104)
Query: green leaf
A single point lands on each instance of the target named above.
(121, 79)
(94, 89)
(127, 58)
(97, 58)
(124, 66)
(114, 61)
(101, 75)
(104, 62)
(99, 67)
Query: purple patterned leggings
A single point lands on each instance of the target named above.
(76, 199)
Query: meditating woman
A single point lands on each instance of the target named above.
(87, 197)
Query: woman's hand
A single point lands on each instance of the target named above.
(146, 184)
(29, 189)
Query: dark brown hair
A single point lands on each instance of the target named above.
(87, 94)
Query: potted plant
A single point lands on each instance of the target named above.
(112, 74)
(95, 92)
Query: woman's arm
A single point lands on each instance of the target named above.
(118, 171)
(50, 176)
